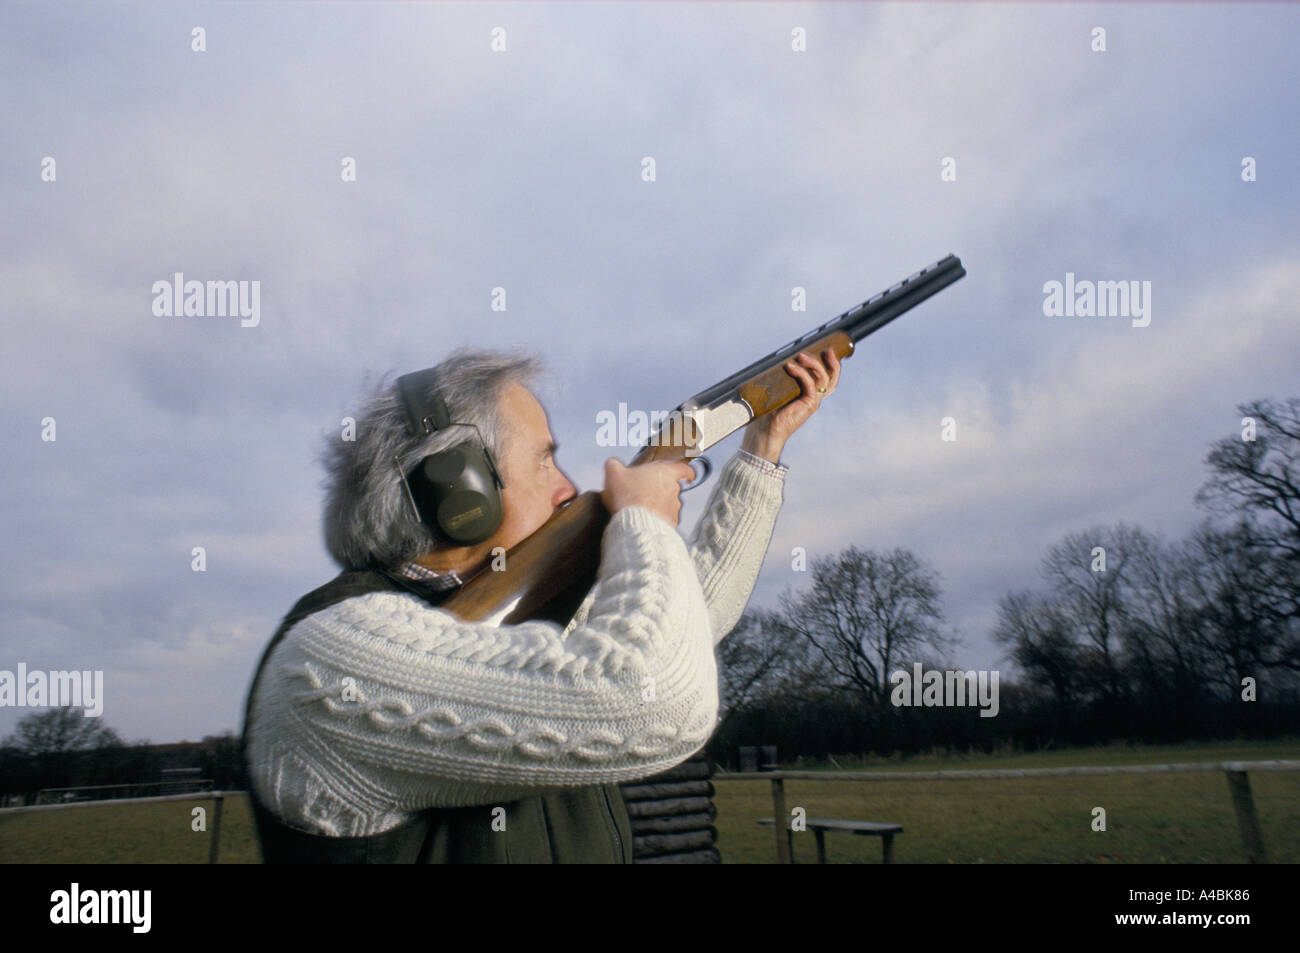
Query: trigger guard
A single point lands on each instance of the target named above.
(705, 465)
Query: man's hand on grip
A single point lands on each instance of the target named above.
(652, 485)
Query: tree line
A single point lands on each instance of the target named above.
(1127, 637)
(61, 748)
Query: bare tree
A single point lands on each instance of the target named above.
(1260, 478)
(1042, 643)
(60, 731)
(1087, 574)
(1257, 481)
(61, 746)
(866, 613)
(756, 654)
(1164, 621)
(1242, 624)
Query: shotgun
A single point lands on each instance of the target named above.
(547, 575)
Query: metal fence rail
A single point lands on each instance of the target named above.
(118, 792)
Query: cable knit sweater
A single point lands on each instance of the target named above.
(381, 705)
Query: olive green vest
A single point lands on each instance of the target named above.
(578, 826)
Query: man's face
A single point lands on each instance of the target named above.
(535, 486)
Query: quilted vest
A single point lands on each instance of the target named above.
(578, 826)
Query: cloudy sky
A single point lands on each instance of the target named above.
(522, 169)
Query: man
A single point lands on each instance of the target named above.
(382, 728)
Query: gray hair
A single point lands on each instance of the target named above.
(368, 516)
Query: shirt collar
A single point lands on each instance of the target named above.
(437, 580)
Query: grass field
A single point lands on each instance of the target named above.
(108, 833)
(1152, 819)
(1171, 818)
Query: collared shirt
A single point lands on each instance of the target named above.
(448, 579)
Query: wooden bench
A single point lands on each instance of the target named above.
(820, 825)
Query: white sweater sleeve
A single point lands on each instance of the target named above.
(732, 537)
(382, 705)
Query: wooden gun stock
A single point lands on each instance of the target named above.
(547, 575)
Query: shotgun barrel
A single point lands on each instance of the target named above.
(872, 315)
(763, 386)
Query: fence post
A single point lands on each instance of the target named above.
(216, 827)
(783, 835)
(1244, 806)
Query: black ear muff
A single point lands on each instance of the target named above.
(457, 492)
(458, 488)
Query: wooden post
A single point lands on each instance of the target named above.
(1244, 806)
(784, 855)
(216, 828)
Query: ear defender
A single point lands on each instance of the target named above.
(455, 493)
